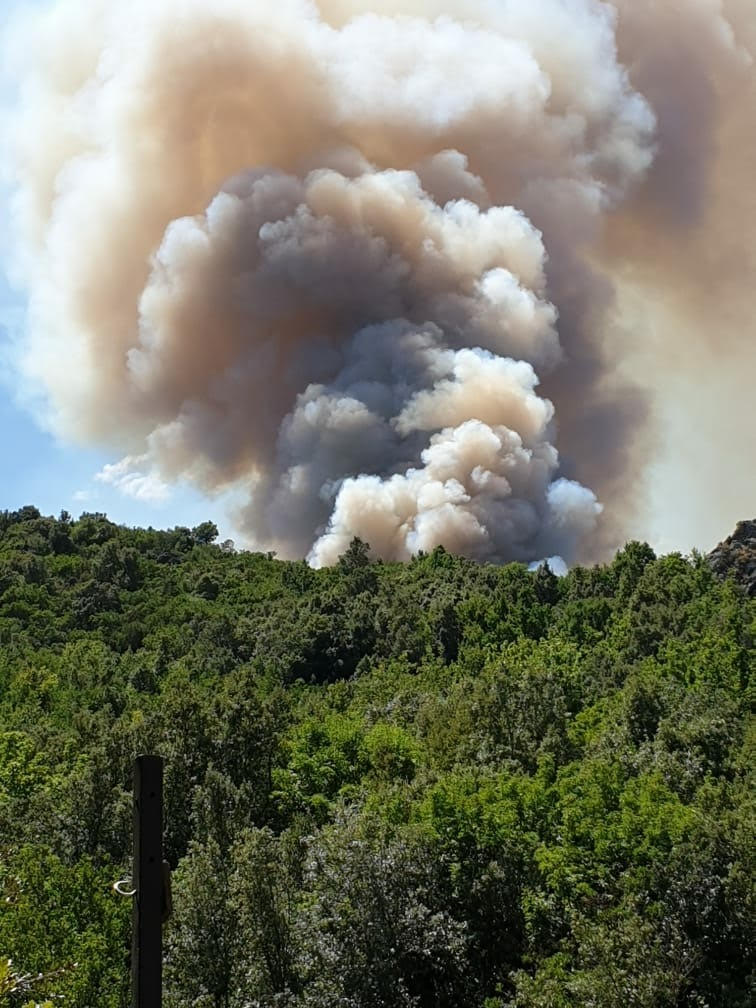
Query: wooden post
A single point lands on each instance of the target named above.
(147, 921)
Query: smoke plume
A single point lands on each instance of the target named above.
(373, 263)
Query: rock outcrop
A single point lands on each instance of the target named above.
(736, 556)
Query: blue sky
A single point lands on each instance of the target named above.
(35, 466)
(38, 468)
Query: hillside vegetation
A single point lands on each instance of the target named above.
(431, 784)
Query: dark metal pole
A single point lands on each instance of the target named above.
(147, 951)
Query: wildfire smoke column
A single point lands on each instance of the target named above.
(325, 253)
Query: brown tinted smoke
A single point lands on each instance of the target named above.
(326, 252)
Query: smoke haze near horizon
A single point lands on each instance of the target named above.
(456, 273)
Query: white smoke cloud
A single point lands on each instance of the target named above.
(127, 477)
(326, 252)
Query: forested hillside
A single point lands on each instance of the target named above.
(432, 784)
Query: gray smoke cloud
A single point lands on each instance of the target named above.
(361, 260)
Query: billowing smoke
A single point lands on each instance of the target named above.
(359, 259)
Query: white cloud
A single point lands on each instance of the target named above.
(127, 477)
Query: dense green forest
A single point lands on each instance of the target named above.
(432, 784)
